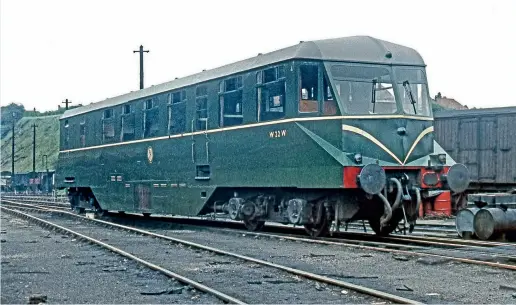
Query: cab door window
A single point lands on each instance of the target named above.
(309, 79)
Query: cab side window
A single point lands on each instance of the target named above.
(329, 102)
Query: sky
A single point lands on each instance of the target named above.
(82, 50)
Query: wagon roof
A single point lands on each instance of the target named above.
(475, 112)
(364, 49)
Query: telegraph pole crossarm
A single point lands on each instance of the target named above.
(66, 102)
(141, 51)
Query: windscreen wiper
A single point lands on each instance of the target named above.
(373, 94)
(406, 85)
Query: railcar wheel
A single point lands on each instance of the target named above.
(79, 210)
(74, 202)
(374, 223)
(253, 224)
(318, 230)
(100, 212)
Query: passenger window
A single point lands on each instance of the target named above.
(308, 102)
(150, 119)
(271, 93)
(82, 133)
(66, 134)
(127, 133)
(178, 97)
(230, 102)
(148, 104)
(177, 112)
(108, 126)
(201, 107)
(108, 113)
(269, 75)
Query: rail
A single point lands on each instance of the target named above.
(308, 275)
(148, 264)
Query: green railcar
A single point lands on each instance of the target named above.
(320, 132)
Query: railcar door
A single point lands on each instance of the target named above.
(116, 191)
(201, 149)
(142, 197)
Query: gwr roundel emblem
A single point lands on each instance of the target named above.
(150, 154)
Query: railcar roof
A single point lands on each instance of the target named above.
(363, 49)
(475, 112)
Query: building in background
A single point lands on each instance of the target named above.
(449, 103)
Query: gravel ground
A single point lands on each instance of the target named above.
(428, 280)
(249, 282)
(35, 261)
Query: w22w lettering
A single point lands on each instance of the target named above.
(278, 133)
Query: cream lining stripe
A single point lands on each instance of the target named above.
(380, 144)
(307, 119)
(372, 139)
(421, 135)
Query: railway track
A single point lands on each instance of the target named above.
(493, 254)
(354, 226)
(285, 269)
(426, 230)
(98, 242)
(46, 198)
(421, 229)
(401, 250)
(56, 202)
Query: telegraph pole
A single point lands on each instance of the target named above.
(66, 102)
(12, 153)
(33, 151)
(45, 162)
(141, 51)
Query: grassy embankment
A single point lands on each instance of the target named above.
(47, 143)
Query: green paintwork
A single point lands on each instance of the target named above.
(303, 158)
(303, 154)
(255, 160)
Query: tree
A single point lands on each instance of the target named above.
(10, 114)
